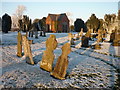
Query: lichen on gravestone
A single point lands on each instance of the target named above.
(62, 63)
(19, 44)
(48, 55)
(27, 50)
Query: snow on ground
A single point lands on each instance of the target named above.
(88, 68)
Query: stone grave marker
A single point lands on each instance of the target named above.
(48, 55)
(112, 36)
(70, 36)
(72, 41)
(88, 34)
(100, 36)
(81, 32)
(36, 34)
(62, 63)
(99, 39)
(19, 44)
(27, 50)
(116, 41)
(85, 41)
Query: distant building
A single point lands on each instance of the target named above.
(57, 23)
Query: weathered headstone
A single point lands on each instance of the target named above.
(77, 36)
(85, 41)
(19, 45)
(36, 34)
(112, 36)
(26, 33)
(44, 32)
(99, 37)
(72, 41)
(70, 36)
(97, 46)
(48, 55)
(40, 33)
(62, 63)
(116, 41)
(27, 50)
(88, 34)
(81, 32)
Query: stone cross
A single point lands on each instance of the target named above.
(48, 55)
(27, 50)
(62, 63)
(19, 45)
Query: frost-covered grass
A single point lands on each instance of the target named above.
(87, 67)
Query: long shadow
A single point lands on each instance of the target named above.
(117, 84)
(37, 58)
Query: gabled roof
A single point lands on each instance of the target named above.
(56, 17)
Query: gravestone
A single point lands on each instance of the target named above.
(36, 34)
(116, 41)
(99, 37)
(77, 37)
(88, 34)
(44, 32)
(26, 33)
(40, 33)
(70, 36)
(48, 55)
(97, 46)
(72, 41)
(81, 32)
(62, 63)
(112, 36)
(27, 50)
(19, 44)
(85, 41)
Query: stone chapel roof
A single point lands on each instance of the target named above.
(57, 17)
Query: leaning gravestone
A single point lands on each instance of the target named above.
(19, 45)
(48, 55)
(27, 50)
(62, 63)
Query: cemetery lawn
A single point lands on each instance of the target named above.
(88, 68)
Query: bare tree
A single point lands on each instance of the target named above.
(18, 15)
(69, 14)
(19, 11)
